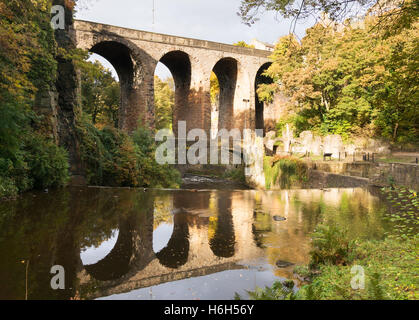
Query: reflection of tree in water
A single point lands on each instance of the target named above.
(360, 212)
(262, 223)
(175, 254)
(50, 229)
(29, 229)
(163, 207)
(223, 242)
(312, 213)
(354, 209)
(101, 217)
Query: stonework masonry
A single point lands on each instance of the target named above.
(135, 55)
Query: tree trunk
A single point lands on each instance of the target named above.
(395, 131)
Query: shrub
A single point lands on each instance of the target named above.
(113, 158)
(8, 187)
(331, 245)
(40, 164)
(120, 167)
(47, 162)
(236, 174)
(284, 171)
(152, 173)
(278, 291)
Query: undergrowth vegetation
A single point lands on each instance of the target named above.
(389, 261)
(38, 163)
(284, 172)
(113, 158)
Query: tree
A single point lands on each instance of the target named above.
(164, 97)
(214, 88)
(27, 65)
(345, 80)
(394, 15)
(243, 44)
(100, 94)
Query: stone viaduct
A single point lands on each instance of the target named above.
(135, 54)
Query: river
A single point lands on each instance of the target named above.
(168, 244)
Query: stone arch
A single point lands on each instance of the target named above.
(133, 67)
(179, 64)
(226, 70)
(259, 105)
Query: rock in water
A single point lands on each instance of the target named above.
(278, 218)
(283, 264)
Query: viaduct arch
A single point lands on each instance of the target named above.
(135, 54)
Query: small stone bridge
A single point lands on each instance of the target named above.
(135, 54)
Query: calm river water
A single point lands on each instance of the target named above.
(167, 244)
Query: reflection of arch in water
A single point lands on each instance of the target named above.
(133, 248)
(224, 240)
(117, 262)
(176, 253)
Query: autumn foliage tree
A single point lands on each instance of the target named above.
(349, 80)
(27, 67)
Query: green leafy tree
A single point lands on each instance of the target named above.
(100, 94)
(28, 67)
(164, 100)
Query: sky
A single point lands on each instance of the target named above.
(213, 20)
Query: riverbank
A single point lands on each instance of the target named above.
(345, 267)
(284, 172)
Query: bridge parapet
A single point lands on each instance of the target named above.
(133, 34)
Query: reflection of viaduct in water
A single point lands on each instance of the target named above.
(190, 252)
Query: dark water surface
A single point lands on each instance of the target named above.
(167, 244)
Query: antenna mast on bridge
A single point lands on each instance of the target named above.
(152, 27)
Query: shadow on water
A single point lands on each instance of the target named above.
(221, 241)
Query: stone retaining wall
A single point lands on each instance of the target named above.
(379, 174)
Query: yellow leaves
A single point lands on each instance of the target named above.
(215, 88)
(43, 5)
(243, 44)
